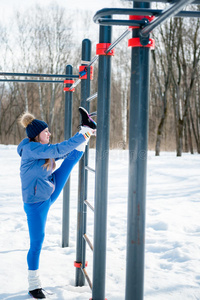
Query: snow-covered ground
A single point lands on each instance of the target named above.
(172, 258)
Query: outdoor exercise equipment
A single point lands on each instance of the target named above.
(142, 20)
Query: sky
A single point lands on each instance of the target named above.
(20, 4)
(7, 6)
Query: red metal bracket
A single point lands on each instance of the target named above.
(135, 42)
(69, 81)
(139, 18)
(67, 89)
(83, 72)
(102, 47)
(79, 264)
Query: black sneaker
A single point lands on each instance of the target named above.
(86, 120)
(37, 294)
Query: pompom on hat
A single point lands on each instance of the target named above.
(33, 126)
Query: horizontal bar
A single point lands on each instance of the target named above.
(93, 114)
(87, 277)
(74, 84)
(92, 97)
(38, 75)
(107, 22)
(118, 40)
(90, 169)
(88, 241)
(93, 60)
(89, 205)
(34, 81)
(99, 16)
(112, 11)
(187, 14)
(166, 13)
(158, 12)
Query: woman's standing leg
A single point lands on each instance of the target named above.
(36, 218)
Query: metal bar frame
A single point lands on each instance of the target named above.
(90, 169)
(119, 40)
(102, 160)
(66, 190)
(104, 21)
(87, 277)
(88, 241)
(93, 61)
(166, 14)
(29, 81)
(93, 114)
(92, 97)
(99, 17)
(138, 147)
(89, 205)
(39, 75)
(138, 142)
(87, 66)
(75, 84)
(83, 177)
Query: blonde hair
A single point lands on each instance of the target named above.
(47, 165)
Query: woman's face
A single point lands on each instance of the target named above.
(44, 136)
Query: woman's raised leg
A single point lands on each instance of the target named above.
(61, 175)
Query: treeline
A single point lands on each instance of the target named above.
(44, 42)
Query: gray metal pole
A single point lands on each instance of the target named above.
(33, 81)
(101, 178)
(82, 187)
(39, 75)
(166, 13)
(138, 147)
(66, 190)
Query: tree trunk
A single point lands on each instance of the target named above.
(190, 138)
(180, 138)
(160, 131)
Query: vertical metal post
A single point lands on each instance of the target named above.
(101, 178)
(66, 190)
(138, 147)
(83, 178)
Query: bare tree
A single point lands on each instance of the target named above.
(162, 62)
(187, 61)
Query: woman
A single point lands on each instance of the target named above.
(40, 185)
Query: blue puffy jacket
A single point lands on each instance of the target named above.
(37, 182)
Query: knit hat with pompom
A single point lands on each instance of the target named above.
(32, 125)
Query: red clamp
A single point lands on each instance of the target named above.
(67, 89)
(135, 42)
(102, 47)
(139, 18)
(79, 264)
(83, 72)
(69, 81)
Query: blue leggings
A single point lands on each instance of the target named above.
(37, 212)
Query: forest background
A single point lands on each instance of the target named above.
(45, 40)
